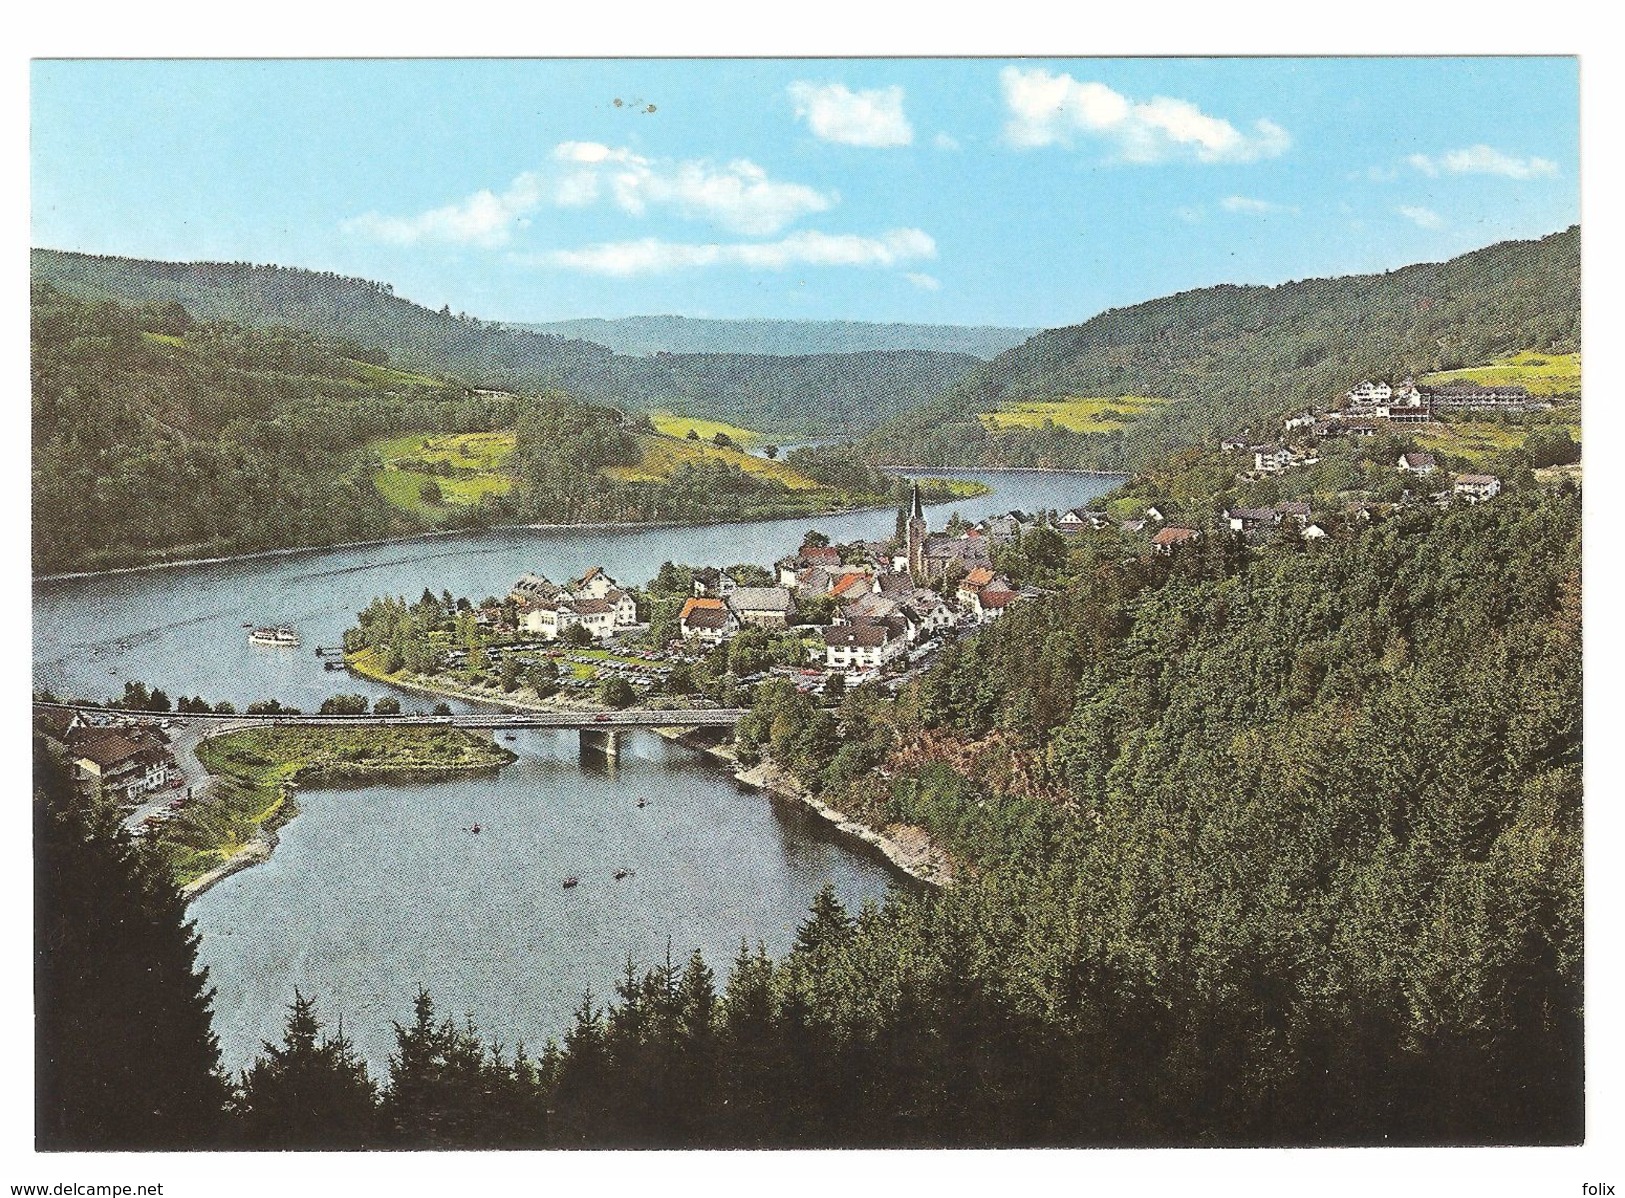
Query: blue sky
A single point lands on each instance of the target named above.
(1023, 192)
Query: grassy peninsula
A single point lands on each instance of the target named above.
(256, 769)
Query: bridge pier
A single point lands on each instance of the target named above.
(601, 740)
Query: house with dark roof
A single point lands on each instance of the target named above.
(1417, 463)
(712, 582)
(533, 588)
(865, 646)
(762, 607)
(706, 619)
(119, 764)
(1475, 488)
(1251, 519)
(626, 607)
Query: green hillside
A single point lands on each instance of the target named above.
(1232, 357)
(645, 335)
(156, 436)
(801, 397)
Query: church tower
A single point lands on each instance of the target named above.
(916, 538)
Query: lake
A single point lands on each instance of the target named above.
(375, 892)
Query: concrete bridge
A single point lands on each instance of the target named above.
(599, 729)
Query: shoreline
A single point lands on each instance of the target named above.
(922, 861)
(259, 847)
(407, 538)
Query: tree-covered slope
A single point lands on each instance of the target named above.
(1256, 847)
(645, 335)
(1234, 357)
(788, 397)
(155, 436)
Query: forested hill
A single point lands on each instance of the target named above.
(1233, 357)
(645, 335)
(798, 397)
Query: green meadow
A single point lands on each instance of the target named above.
(1080, 414)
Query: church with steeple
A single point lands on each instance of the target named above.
(932, 558)
(916, 538)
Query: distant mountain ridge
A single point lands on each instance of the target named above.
(805, 396)
(1231, 358)
(643, 336)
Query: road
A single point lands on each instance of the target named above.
(637, 717)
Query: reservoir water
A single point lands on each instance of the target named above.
(375, 892)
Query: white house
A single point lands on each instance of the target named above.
(765, 607)
(1271, 459)
(595, 584)
(1417, 463)
(1475, 488)
(706, 619)
(625, 607)
(865, 646)
(1368, 392)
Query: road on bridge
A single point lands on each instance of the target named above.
(640, 717)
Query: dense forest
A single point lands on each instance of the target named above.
(1234, 357)
(156, 436)
(800, 397)
(1255, 845)
(645, 335)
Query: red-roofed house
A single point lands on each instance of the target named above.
(852, 586)
(707, 619)
(1167, 538)
(992, 599)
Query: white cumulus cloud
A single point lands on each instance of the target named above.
(1055, 109)
(1483, 160)
(854, 118)
(485, 218)
(738, 196)
(1425, 217)
(1252, 207)
(651, 255)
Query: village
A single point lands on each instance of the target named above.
(1371, 409)
(867, 611)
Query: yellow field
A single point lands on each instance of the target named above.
(1542, 374)
(663, 456)
(1081, 414)
(678, 426)
(386, 375)
(1477, 439)
(486, 453)
(470, 451)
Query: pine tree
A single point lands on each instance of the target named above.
(310, 1092)
(125, 1056)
